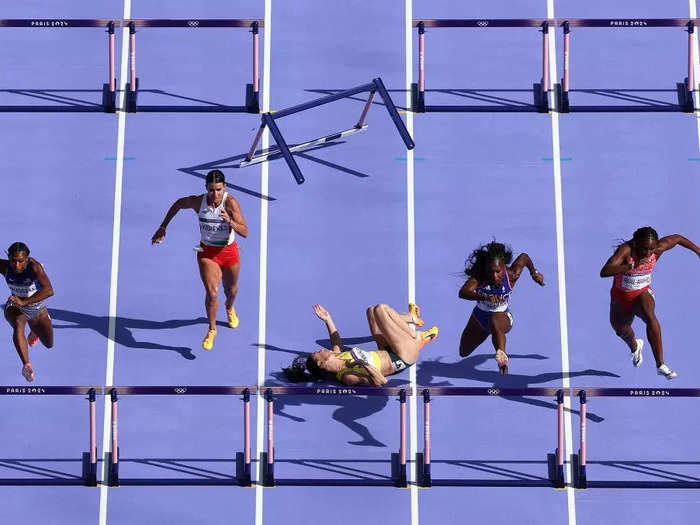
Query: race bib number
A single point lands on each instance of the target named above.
(636, 282)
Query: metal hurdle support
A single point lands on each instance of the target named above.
(242, 474)
(88, 459)
(555, 462)
(268, 120)
(108, 89)
(684, 90)
(398, 460)
(539, 90)
(580, 462)
(252, 92)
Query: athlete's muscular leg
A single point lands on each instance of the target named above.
(499, 326)
(621, 321)
(42, 327)
(398, 334)
(229, 276)
(210, 273)
(374, 328)
(644, 307)
(472, 336)
(18, 322)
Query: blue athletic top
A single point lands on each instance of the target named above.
(22, 284)
(504, 290)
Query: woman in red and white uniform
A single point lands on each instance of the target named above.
(631, 266)
(220, 219)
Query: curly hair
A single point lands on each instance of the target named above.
(303, 369)
(477, 265)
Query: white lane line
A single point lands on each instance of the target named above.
(114, 274)
(410, 207)
(561, 271)
(262, 299)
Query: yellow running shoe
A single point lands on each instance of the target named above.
(425, 337)
(232, 317)
(208, 342)
(414, 310)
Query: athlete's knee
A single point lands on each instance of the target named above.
(212, 294)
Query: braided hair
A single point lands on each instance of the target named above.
(477, 265)
(304, 368)
(17, 247)
(644, 233)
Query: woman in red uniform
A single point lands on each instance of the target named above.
(220, 219)
(631, 266)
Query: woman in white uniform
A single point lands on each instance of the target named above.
(220, 219)
(29, 286)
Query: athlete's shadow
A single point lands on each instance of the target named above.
(349, 409)
(123, 329)
(430, 370)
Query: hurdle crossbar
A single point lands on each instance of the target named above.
(684, 90)
(540, 90)
(88, 459)
(108, 104)
(242, 475)
(580, 460)
(555, 461)
(398, 460)
(252, 94)
(268, 121)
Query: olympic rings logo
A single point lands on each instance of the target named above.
(494, 391)
(180, 390)
(193, 23)
(482, 23)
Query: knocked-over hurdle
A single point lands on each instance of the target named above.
(398, 460)
(108, 89)
(580, 460)
(89, 459)
(684, 90)
(555, 461)
(252, 98)
(268, 120)
(242, 474)
(539, 90)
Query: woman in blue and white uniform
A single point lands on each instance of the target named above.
(220, 220)
(29, 286)
(490, 283)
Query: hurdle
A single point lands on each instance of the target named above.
(539, 90)
(108, 90)
(580, 460)
(397, 460)
(242, 474)
(252, 104)
(88, 460)
(555, 462)
(684, 90)
(268, 120)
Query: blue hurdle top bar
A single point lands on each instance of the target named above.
(491, 391)
(331, 390)
(181, 390)
(639, 392)
(52, 23)
(480, 22)
(24, 390)
(195, 22)
(627, 22)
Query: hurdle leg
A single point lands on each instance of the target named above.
(559, 453)
(562, 90)
(90, 458)
(423, 460)
(252, 94)
(581, 480)
(243, 458)
(398, 461)
(132, 87)
(109, 93)
(685, 90)
(113, 457)
(269, 456)
(541, 91)
(284, 148)
(365, 110)
(418, 89)
(389, 104)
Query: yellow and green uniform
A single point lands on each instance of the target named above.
(370, 357)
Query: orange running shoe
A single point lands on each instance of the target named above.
(208, 342)
(425, 337)
(414, 310)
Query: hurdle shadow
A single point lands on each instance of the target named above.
(662, 473)
(352, 472)
(638, 100)
(275, 154)
(184, 471)
(197, 105)
(501, 472)
(62, 103)
(123, 329)
(43, 471)
(430, 372)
